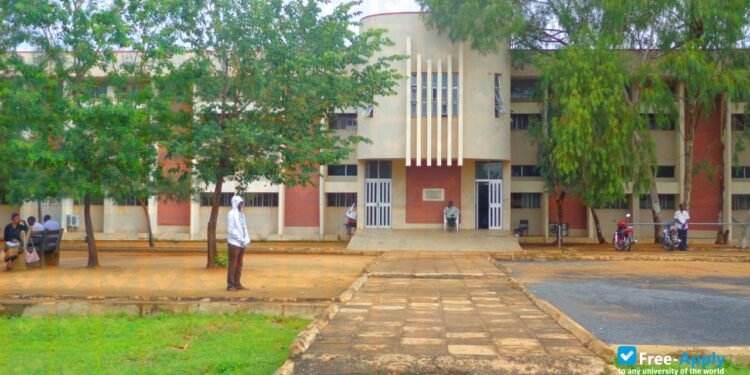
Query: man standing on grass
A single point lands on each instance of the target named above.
(238, 239)
(681, 218)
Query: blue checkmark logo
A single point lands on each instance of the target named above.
(626, 355)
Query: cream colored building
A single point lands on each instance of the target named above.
(456, 130)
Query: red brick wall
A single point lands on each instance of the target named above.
(301, 208)
(171, 212)
(418, 178)
(707, 158)
(574, 212)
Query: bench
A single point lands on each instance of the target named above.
(47, 245)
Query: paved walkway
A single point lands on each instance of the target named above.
(485, 241)
(454, 314)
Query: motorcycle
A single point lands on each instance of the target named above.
(623, 238)
(670, 240)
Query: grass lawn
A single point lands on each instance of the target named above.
(179, 344)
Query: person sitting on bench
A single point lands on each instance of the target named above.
(16, 236)
(451, 214)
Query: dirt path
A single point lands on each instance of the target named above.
(280, 276)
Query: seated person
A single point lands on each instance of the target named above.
(15, 236)
(37, 231)
(351, 219)
(50, 224)
(451, 214)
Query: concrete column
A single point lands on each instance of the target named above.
(153, 212)
(461, 84)
(429, 112)
(408, 101)
(507, 225)
(108, 218)
(449, 145)
(195, 216)
(322, 203)
(65, 210)
(282, 204)
(418, 154)
(440, 113)
(361, 209)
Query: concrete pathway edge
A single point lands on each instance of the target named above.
(607, 351)
(304, 339)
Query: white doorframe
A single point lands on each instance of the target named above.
(495, 204)
(378, 201)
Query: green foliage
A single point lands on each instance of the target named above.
(589, 143)
(178, 344)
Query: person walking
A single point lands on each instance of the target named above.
(681, 218)
(238, 238)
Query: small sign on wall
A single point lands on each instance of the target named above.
(433, 195)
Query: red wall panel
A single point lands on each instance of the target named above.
(418, 178)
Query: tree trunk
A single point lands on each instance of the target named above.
(211, 261)
(144, 205)
(90, 241)
(655, 209)
(560, 199)
(39, 211)
(598, 227)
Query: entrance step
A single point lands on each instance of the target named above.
(486, 241)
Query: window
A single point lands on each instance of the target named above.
(526, 200)
(94, 202)
(378, 169)
(525, 171)
(523, 121)
(455, 94)
(99, 92)
(129, 201)
(251, 199)
(619, 205)
(341, 199)
(738, 122)
(741, 172)
(499, 102)
(659, 122)
(261, 199)
(489, 170)
(664, 171)
(666, 202)
(344, 121)
(342, 170)
(741, 201)
(431, 96)
(522, 90)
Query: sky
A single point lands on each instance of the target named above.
(369, 7)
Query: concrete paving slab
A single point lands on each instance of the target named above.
(433, 240)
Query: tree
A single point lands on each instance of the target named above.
(697, 43)
(265, 74)
(143, 79)
(92, 143)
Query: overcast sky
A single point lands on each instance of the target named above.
(369, 7)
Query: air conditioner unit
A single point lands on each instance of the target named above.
(73, 221)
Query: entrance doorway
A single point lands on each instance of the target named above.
(489, 204)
